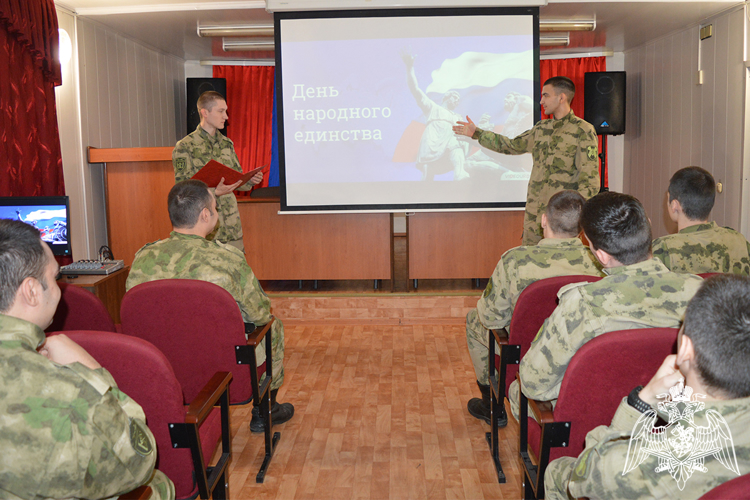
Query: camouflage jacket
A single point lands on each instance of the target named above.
(565, 157)
(598, 471)
(185, 256)
(65, 431)
(642, 295)
(704, 248)
(191, 154)
(521, 266)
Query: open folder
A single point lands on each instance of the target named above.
(213, 171)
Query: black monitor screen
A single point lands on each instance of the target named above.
(49, 214)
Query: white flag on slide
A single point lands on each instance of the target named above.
(482, 69)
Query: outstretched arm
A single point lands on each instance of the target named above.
(411, 80)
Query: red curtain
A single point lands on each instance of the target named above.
(250, 103)
(574, 68)
(29, 137)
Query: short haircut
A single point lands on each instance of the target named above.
(717, 320)
(564, 213)
(21, 256)
(617, 223)
(208, 99)
(563, 85)
(695, 189)
(186, 201)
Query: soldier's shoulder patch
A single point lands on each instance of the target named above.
(591, 152)
(180, 164)
(139, 439)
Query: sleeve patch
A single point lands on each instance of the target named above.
(180, 164)
(139, 439)
(591, 152)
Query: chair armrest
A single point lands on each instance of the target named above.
(206, 399)
(140, 493)
(542, 411)
(254, 339)
(501, 336)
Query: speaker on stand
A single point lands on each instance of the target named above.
(195, 87)
(604, 108)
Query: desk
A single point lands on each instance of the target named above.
(109, 288)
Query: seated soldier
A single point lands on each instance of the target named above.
(712, 360)
(66, 431)
(560, 253)
(699, 246)
(187, 254)
(638, 292)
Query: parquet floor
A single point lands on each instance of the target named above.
(380, 413)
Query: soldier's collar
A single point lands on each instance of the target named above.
(218, 136)
(647, 266)
(698, 227)
(12, 328)
(175, 234)
(559, 241)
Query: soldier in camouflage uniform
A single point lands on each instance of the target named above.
(205, 144)
(560, 253)
(638, 292)
(564, 149)
(699, 246)
(66, 431)
(716, 331)
(187, 254)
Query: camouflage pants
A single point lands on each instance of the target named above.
(161, 487)
(277, 350)
(514, 398)
(556, 478)
(478, 342)
(532, 224)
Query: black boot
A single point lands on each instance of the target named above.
(480, 408)
(280, 413)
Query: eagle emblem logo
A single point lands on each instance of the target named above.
(681, 445)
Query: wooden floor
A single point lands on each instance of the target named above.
(380, 413)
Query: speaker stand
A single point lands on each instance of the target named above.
(603, 157)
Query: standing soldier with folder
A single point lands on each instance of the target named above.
(204, 145)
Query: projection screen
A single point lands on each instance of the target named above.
(366, 101)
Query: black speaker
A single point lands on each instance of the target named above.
(604, 101)
(195, 87)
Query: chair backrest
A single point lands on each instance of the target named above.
(79, 309)
(736, 489)
(601, 373)
(705, 276)
(144, 373)
(534, 305)
(196, 325)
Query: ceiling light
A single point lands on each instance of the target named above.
(236, 30)
(567, 25)
(554, 40)
(241, 44)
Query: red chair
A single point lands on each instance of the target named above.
(186, 438)
(534, 305)
(736, 489)
(199, 327)
(705, 276)
(80, 309)
(600, 374)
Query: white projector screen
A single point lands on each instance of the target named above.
(366, 101)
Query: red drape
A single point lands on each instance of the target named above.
(574, 68)
(29, 137)
(250, 103)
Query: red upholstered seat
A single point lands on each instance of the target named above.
(80, 309)
(736, 489)
(600, 374)
(143, 373)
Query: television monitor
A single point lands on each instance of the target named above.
(49, 214)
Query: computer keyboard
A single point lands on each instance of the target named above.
(93, 267)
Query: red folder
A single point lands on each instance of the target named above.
(213, 171)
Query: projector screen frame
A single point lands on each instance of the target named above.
(385, 13)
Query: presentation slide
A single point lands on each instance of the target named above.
(369, 104)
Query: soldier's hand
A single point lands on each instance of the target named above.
(256, 179)
(667, 376)
(222, 189)
(466, 128)
(63, 351)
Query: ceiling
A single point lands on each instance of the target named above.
(170, 25)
